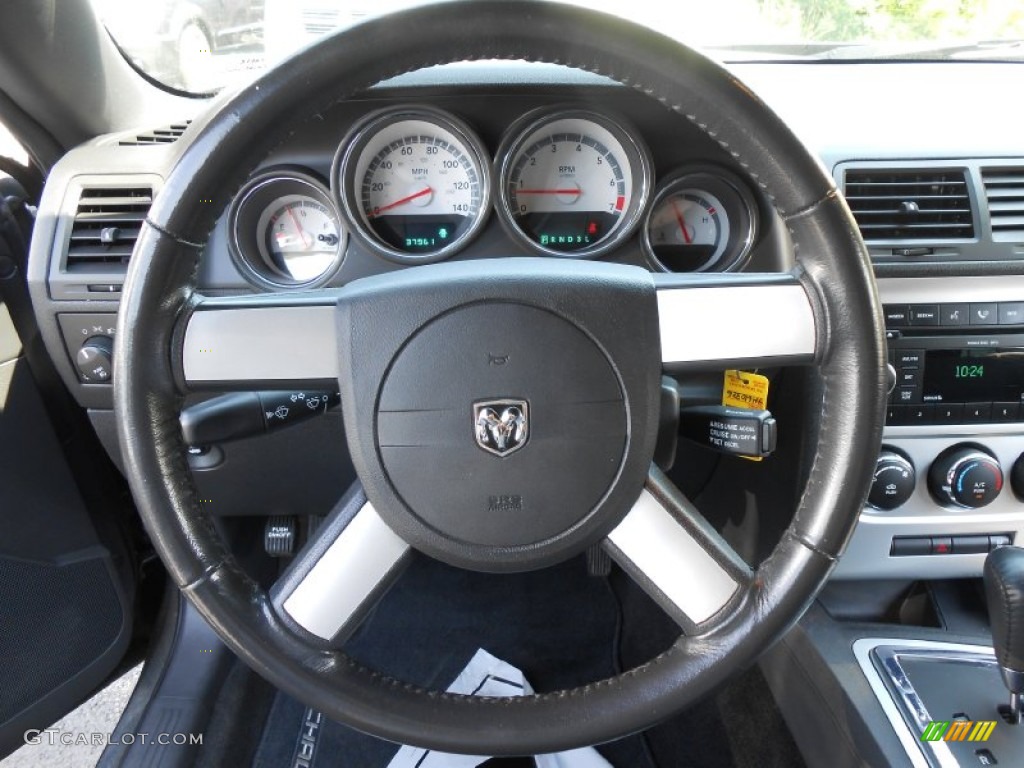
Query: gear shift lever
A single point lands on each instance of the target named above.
(1004, 592)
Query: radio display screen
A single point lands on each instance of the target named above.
(973, 375)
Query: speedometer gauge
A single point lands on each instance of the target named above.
(572, 183)
(413, 183)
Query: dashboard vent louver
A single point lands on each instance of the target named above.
(1004, 189)
(107, 224)
(167, 135)
(915, 204)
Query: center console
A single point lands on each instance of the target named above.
(949, 481)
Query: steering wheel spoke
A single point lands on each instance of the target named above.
(350, 562)
(736, 321)
(675, 556)
(282, 341)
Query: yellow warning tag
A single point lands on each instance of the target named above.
(745, 390)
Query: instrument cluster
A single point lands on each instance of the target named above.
(415, 185)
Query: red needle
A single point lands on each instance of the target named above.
(403, 201)
(682, 223)
(307, 241)
(549, 191)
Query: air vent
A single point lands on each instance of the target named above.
(919, 204)
(107, 224)
(1004, 188)
(167, 135)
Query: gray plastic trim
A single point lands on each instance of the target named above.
(672, 560)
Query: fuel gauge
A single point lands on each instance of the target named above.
(701, 221)
(285, 231)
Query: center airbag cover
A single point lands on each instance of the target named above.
(574, 416)
(501, 417)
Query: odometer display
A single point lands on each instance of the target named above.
(573, 183)
(413, 183)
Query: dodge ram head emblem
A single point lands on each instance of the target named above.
(502, 426)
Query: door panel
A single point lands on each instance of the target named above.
(65, 610)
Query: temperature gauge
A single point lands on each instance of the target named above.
(700, 221)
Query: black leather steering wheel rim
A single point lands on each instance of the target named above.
(160, 290)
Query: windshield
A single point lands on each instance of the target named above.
(203, 45)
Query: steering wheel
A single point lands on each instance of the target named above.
(586, 345)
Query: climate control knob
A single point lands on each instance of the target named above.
(1017, 477)
(965, 476)
(95, 360)
(894, 480)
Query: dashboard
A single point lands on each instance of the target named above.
(495, 160)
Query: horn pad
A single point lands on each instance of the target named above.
(506, 431)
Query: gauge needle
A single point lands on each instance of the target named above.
(682, 223)
(403, 201)
(307, 241)
(549, 191)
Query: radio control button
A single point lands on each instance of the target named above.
(949, 413)
(984, 314)
(924, 314)
(906, 394)
(918, 414)
(1011, 313)
(954, 314)
(896, 315)
(909, 358)
(974, 412)
(1005, 411)
(909, 377)
(893, 414)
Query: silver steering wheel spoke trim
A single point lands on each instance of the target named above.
(675, 556)
(706, 322)
(346, 567)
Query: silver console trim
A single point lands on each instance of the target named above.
(911, 742)
(867, 554)
(949, 290)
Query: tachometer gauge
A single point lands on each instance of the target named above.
(285, 231)
(572, 183)
(702, 220)
(413, 183)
